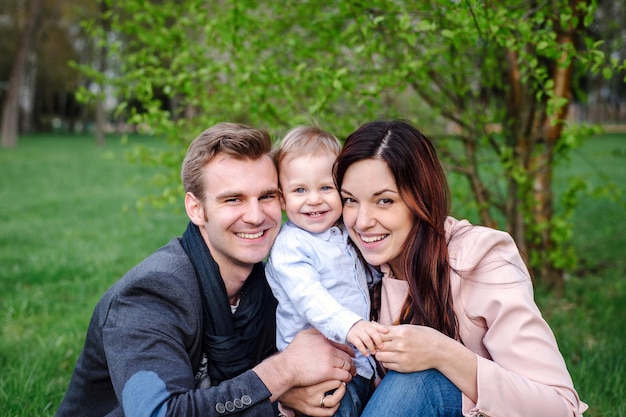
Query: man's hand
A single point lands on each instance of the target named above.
(308, 400)
(315, 359)
(308, 360)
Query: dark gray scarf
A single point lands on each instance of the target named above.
(232, 343)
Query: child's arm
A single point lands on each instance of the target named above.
(293, 274)
(365, 336)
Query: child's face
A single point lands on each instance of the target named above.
(311, 200)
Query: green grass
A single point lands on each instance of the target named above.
(589, 320)
(69, 229)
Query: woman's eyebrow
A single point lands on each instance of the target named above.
(376, 193)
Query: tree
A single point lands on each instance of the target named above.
(503, 74)
(10, 108)
(46, 91)
(607, 96)
(498, 75)
(102, 61)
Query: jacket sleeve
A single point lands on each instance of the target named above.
(148, 333)
(521, 372)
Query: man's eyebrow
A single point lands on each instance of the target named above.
(273, 190)
(237, 194)
(228, 194)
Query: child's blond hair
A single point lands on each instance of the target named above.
(307, 140)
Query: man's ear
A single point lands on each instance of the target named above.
(194, 208)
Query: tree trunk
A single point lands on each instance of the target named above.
(102, 66)
(100, 119)
(517, 105)
(10, 110)
(552, 130)
(27, 95)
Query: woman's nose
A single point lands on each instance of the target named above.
(364, 218)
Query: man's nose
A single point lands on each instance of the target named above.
(254, 213)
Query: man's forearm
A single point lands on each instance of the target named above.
(275, 374)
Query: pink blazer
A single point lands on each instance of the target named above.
(520, 369)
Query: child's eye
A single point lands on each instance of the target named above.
(299, 190)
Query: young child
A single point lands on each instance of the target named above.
(315, 273)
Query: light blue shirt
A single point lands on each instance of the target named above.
(319, 281)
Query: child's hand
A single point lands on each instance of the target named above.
(365, 336)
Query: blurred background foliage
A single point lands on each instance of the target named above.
(505, 89)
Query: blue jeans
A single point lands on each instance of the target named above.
(355, 398)
(425, 393)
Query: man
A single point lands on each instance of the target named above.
(190, 330)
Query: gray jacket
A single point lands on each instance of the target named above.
(142, 351)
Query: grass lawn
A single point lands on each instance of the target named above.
(69, 228)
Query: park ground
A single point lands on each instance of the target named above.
(70, 226)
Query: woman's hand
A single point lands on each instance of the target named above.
(412, 348)
(308, 400)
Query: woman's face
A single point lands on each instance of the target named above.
(377, 219)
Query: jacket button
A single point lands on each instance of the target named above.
(220, 408)
(230, 407)
(246, 400)
(238, 403)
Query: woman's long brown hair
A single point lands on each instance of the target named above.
(423, 187)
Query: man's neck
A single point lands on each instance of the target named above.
(234, 279)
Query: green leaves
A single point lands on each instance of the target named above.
(466, 67)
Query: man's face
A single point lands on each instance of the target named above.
(241, 213)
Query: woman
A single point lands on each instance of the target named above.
(467, 338)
